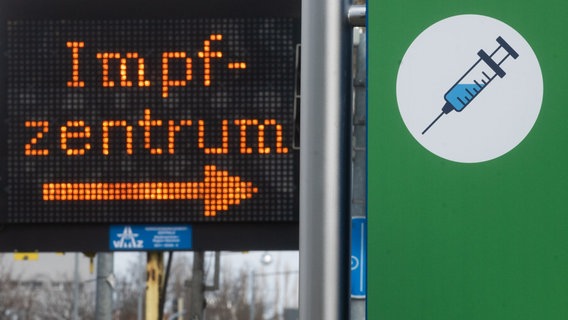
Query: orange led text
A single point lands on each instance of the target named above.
(76, 137)
(138, 77)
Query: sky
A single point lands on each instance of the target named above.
(276, 272)
(236, 260)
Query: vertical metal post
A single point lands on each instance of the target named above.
(142, 292)
(155, 274)
(75, 313)
(217, 271)
(180, 308)
(103, 303)
(197, 286)
(358, 204)
(325, 158)
(252, 295)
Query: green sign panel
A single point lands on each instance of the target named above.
(468, 160)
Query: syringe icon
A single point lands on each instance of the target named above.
(476, 79)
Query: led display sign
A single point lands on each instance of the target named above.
(148, 112)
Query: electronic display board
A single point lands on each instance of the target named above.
(148, 111)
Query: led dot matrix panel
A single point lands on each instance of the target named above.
(148, 111)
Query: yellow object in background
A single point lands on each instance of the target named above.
(31, 256)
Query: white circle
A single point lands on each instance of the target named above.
(499, 117)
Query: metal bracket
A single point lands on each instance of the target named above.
(357, 15)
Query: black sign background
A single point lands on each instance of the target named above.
(37, 64)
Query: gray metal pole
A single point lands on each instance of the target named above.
(197, 286)
(325, 158)
(104, 286)
(142, 293)
(75, 313)
(358, 204)
(252, 295)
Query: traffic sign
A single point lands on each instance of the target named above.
(467, 160)
(358, 257)
(138, 112)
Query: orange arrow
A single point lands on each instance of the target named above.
(218, 190)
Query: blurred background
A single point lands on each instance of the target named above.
(254, 285)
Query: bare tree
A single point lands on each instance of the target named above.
(8, 295)
(18, 299)
(129, 288)
(56, 302)
(127, 298)
(231, 301)
(40, 298)
(178, 288)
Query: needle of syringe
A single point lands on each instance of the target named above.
(431, 124)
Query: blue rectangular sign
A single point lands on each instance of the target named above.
(150, 237)
(358, 257)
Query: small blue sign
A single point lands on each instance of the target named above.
(150, 237)
(358, 257)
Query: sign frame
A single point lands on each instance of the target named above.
(456, 240)
(240, 234)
